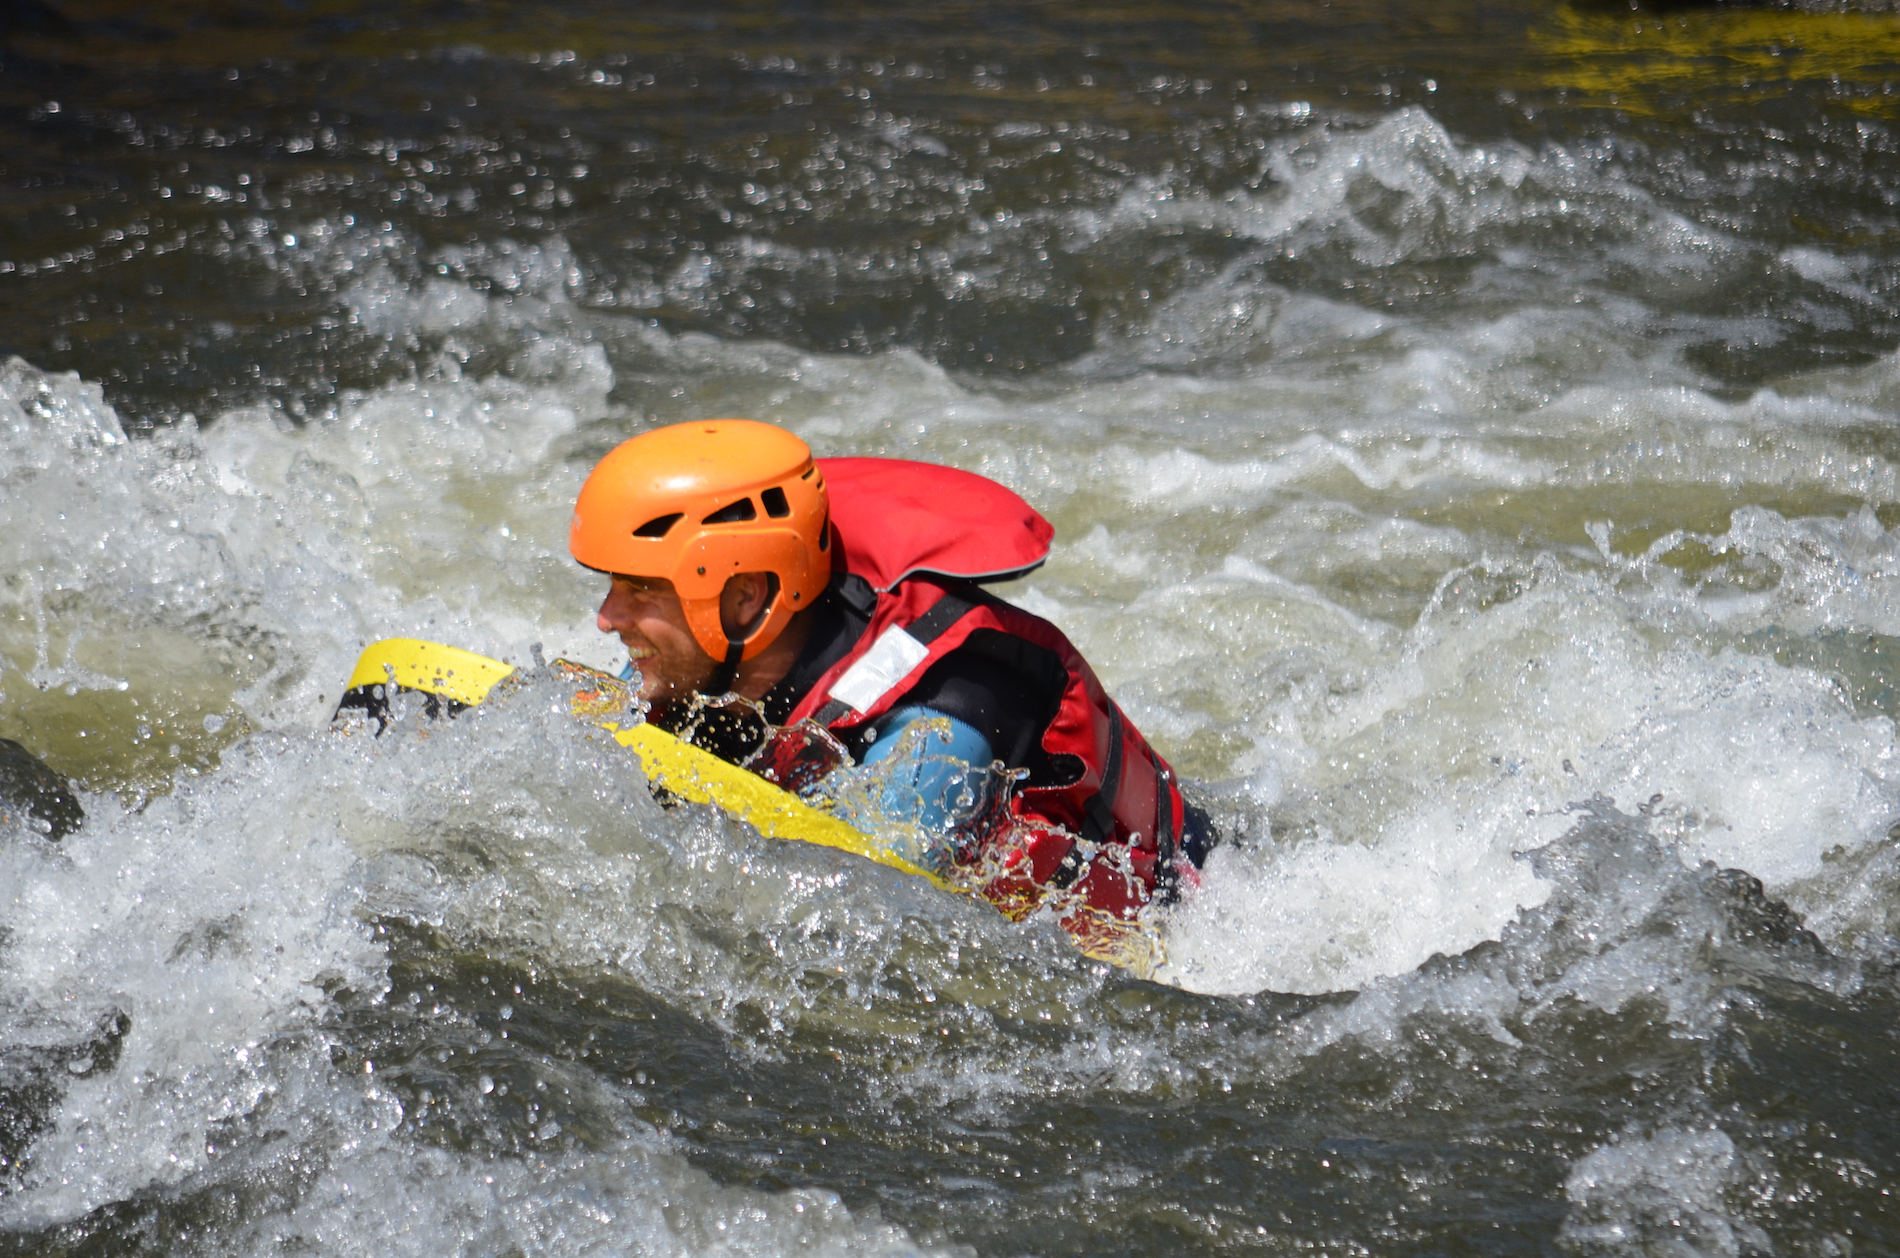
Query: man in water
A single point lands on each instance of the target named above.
(841, 597)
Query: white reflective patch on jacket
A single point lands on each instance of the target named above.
(890, 658)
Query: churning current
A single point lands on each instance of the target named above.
(1471, 435)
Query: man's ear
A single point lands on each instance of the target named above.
(745, 600)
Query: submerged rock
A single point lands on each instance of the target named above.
(27, 784)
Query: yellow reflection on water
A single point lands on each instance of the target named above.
(1639, 61)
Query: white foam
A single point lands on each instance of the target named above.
(1331, 913)
(1467, 743)
(395, 1200)
(1663, 1192)
(216, 919)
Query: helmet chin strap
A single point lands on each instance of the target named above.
(728, 670)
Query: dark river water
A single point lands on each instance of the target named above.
(1471, 431)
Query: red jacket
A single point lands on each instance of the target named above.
(921, 535)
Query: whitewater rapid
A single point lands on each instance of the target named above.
(1469, 620)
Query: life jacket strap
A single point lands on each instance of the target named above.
(1098, 821)
(1164, 819)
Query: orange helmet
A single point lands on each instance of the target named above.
(696, 503)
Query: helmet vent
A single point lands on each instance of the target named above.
(733, 514)
(658, 526)
(775, 504)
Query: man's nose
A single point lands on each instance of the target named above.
(608, 617)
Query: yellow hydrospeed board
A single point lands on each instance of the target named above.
(430, 667)
(685, 770)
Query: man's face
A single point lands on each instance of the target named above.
(645, 614)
